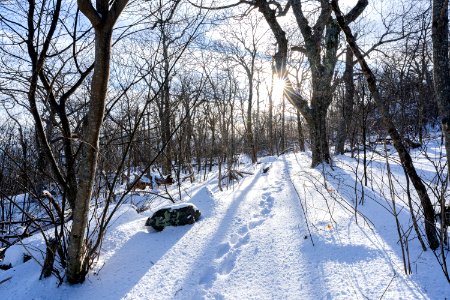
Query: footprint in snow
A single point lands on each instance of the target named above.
(218, 296)
(223, 249)
(234, 238)
(227, 255)
(245, 239)
(208, 277)
(255, 223)
(243, 230)
(237, 240)
(228, 252)
(266, 204)
(229, 262)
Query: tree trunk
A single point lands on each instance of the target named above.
(257, 121)
(347, 106)
(441, 71)
(250, 138)
(318, 135)
(405, 158)
(301, 137)
(283, 126)
(213, 151)
(165, 116)
(77, 264)
(270, 121)
(219, 161)
(50, 253)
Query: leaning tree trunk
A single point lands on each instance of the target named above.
(405, 158)
(270, 116)
(441, 71)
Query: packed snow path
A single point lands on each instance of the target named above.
(252, 242)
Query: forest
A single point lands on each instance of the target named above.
(305, 143)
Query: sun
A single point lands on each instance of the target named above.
(278, 89)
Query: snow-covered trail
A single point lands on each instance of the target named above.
(252, 242)
(259, 254)
(246, 247)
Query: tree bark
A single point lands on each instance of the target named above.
(441, 71)
(347, 106)
(319, 138)
(405, 158)
(249, 127)
(270, 121)
(165, 107)
(301, 137)
(77, 266)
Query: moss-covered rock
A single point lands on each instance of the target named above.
(176, 215)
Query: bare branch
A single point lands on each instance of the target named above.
(223, 6)
(116, 9)
(89, 11)
(356, 11)
(301, 19)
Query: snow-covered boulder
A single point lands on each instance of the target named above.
(175, 215)
(14, 256)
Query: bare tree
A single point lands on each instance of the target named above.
(102, 18)
(321, 42)
(405, 158)
(242, 47)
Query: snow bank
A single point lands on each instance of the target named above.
(253, 242)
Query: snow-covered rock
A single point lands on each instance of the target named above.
(175, 215)
(14, 256)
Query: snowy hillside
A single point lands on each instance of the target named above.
(289, 234)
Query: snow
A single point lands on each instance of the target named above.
(179, 205)
(14, 256)
(280, 235)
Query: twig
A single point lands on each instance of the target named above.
(303, 209)
(390, 282)
(5, 280)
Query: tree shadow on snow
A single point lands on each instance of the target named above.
(138, 255)
(204, 272)
(396, 168)
(376, 208)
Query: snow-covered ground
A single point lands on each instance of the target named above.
(289, 234)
